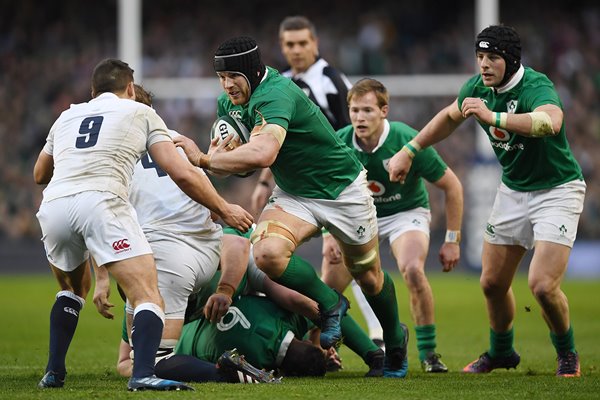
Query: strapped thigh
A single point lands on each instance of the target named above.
(363, 262)
(273, 228)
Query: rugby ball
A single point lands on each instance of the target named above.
(226, 126)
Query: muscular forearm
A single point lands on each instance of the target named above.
(454, 209)
(199, 188)
(242, 159)
(439, 128)
(234, 259)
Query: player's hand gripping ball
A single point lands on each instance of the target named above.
(226, 126)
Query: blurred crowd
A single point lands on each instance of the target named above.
(48, 50)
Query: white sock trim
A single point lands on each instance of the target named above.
(150, 307)
(71, 295)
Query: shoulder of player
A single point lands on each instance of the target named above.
(346, 133)
(275, 85)
(534, 79)
(401, 132)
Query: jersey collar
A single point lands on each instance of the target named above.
(512, 82)
(382, 138)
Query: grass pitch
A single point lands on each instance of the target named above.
(462, 335)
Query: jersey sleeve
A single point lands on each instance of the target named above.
(49, 146)
(279, 110)
(543, 93)
(430, 165)
(157, 130)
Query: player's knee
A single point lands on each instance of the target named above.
(413, 274)
(542, 288)
(370, 283)
(492, 287)
(270, 259)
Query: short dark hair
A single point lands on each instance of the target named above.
(367, 85)
(111, 75)
(303, 359)
(297, 23)
(142, 95)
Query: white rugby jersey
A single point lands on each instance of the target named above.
(162, 206)
(95, 145)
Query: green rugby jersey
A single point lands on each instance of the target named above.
(527, 163)
(312, 162)
(391, 197)
(256, 326)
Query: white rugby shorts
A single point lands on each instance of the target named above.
(522, 218)
(100, 222)
(185, 263)
(351, 217)
(392, 226)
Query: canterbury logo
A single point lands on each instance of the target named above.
(484, 45)
(71, 311)
(120, 245)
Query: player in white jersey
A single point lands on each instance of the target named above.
(88, 160)
(184, 239)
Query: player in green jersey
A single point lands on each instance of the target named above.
(320, 183)
(268, 331)
(403, 214)
(538, 203)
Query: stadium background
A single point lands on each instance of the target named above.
(48, 49)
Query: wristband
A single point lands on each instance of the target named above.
(408, 151)
(415, 145)
(501, 118)
(226, 289)
(452, 237)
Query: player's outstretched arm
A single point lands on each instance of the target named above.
(436, 130)
(196, 185)
(260, 152)
(291, 300)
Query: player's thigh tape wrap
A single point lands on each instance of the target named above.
(272, 228)
(362, 263)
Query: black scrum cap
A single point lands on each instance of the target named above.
(240, 55)
(504, 41)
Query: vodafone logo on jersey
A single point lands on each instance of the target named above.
(499, 134)
(121, 245)
(376, 188)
